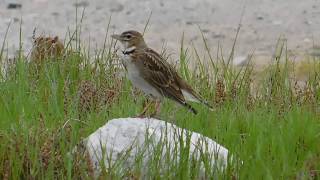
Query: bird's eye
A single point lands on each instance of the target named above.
(128, 36)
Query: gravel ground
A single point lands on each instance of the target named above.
(262, 24)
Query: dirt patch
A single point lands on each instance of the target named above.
(264, 21)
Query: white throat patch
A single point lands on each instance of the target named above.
(129, 50)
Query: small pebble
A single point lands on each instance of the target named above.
(14, 6)
(260, 18)
(205, 30)
(15, 19)
(218, 35)
(81, 4)
(117, 8)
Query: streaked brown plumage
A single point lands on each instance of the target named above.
(149, 72)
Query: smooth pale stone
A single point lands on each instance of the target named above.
(133, 137)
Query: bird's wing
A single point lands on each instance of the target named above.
(160, 74)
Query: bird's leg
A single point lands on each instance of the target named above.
(145, 109)
(157, 108)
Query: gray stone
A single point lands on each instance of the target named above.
(260, 17)
(117, 8)
(81, 4)
(14, 6)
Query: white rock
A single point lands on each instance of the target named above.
(129, 138)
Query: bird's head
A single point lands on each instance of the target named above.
(130, 39)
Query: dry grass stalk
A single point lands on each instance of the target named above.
(220, 95)
(87, 96)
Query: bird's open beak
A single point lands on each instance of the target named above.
(116, 36)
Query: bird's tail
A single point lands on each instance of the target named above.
(206, 104)
(190, 108)
(196, 98)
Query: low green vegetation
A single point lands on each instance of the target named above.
(269, 121)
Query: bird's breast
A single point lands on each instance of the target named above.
(136, 77)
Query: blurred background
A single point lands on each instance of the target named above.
(263, 22)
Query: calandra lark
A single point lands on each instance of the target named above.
(152, 74)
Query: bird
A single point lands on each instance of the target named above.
(150, 72)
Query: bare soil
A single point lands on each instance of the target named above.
(263, 22)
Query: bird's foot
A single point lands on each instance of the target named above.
(141, 115)
(148, 107)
